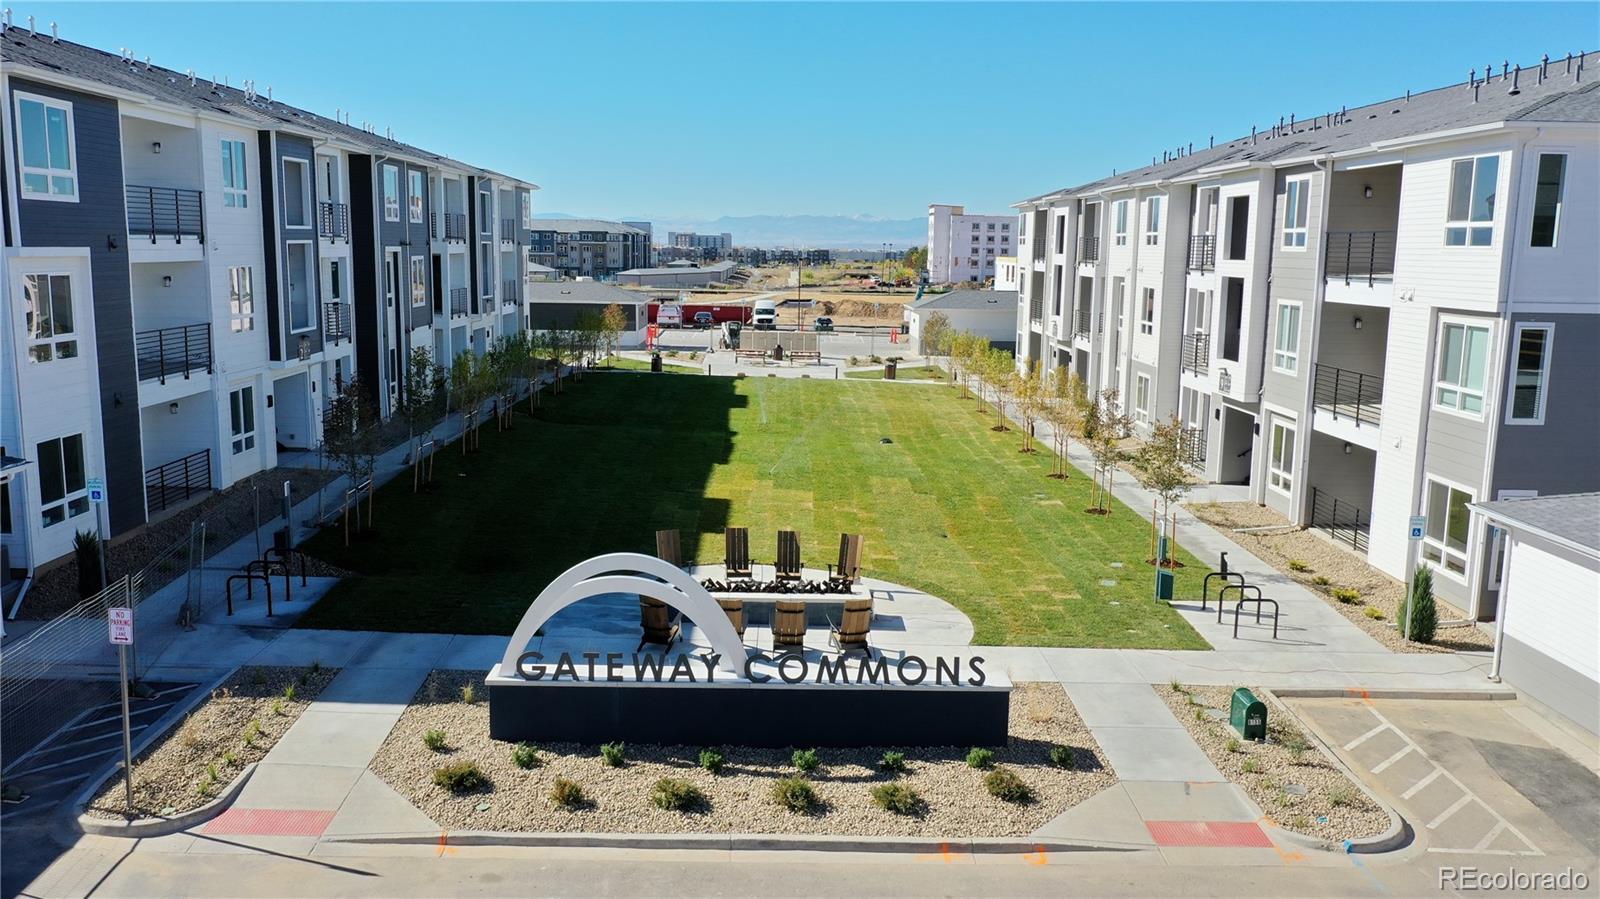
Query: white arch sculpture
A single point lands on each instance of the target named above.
(597, 576)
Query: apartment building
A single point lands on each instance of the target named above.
(963, 247)
(192, 270)
(588, 248)
(1355, 314)
(708, 246)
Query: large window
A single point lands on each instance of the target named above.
(242, 419)
(416, 196)
(301, 277)
(391, 193)
(1147, 311)
(419, 280)
(1547, 198)
(1296, 206)
(235, 176)
(1532, 373)
(1280, 467)
(296, 193)
(1120, 217)
(63, 484)
(1470, 218)
(1286, 343)
(486, 271)
(49, 164)
(1141, 397)
(1444, 541)
(49, 318)
(1152, 221)
(1461, 368)
(525, 201)
(241, 298)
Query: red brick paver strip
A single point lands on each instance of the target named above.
(1208, 833)
(271, 822)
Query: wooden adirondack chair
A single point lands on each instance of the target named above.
(733, 607)
(849, 565)
(737, 541)
(854, 627)
(669, 547)
(788, 567)
(659, 623)
(789, 624)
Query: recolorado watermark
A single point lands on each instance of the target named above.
(1469, 878)
(788, 668)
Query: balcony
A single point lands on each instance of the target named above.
(455, 226)
(458, 301)
(178, 481)
(1085, 319)
(335, 322)
(156, 212)
(1202, 252)
(333, 220)
(1345, 522)
(1352, 395)
(1196, 353)
(1036, 309)
(508, 231)
(1192, 446)
(1088, 249)
(1360, 257)
(510, 291)
(168, 352)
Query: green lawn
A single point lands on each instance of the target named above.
(949, 507)
(904, 373)
(669, 366)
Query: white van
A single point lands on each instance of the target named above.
(765, 317)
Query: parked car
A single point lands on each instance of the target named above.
(704, 319)
(824, 323)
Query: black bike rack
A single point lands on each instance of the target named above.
(1259, 601)
(269, 567)
(284, 555)
(1229, 578)
(249, 585)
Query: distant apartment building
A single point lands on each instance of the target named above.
(964, 247)
(688, 240)
(588, 248)
(652, 255)
(1005, 273)
(1384, 312)
(192, 271)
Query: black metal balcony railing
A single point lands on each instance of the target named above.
(1085, 319)
(1088, 249)
(458, 300)
(1345, 522)
(508, 230)
(1202, 252)
(1196, 353)
(1193, 446)
(1360, 256)
(455, 226)
(333, 220)
(1348, 394)
(335, 322)
(176, 481)
(1036, 309)
(510, 291)
(173, 351)
(165, 212)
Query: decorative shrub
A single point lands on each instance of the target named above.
(1003, 783)
(1373, 613)
(611, 753)
(1419, 607)
(805, 760)
(1341, 797)
(893, 762)
(1232, 744)
(86, 553)
(1297, 565)
(980, 758)
(1346, 595)
(459, 777)
(566, 793)
(1321, 580)
(1063, 756)
(712, 760)
(795, 794)
(434, 739)
(897, 798)
(675, 795)
(525, 755)
(469, 694)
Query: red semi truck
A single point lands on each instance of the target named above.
(686, 314)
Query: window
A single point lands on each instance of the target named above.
(1280, 468)
(1444, 540)
(1469, 221)
(525, 201)
(416, 197)
(242, 419)
(49, 166)
(300, 277)
(1547, 198)
(51, 334)
(335, 281)
(1147, 311)
(485, 271)
(241, 298)
(1005, 226)
(235, 179)
(1121, 231)
(419, 280)
(63, 484)
(1296, 203)
(391, 194)
(1286, 342)
(485, 213)
(1531, 374)
(1141, 397)
(1152, 221)
(1463, 360)
(296, 193)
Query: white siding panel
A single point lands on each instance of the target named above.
(1554, 606)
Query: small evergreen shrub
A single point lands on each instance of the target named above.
(1420, 608)
(675, 795)
(1297, 565)
(611, 754)
(1003, 783)
(980, 758)
(897, 798)
(795, 794)
(712, 761)
(1346, 595)
(525, 755)
(434, 739)
(1063, 756)
(469, 694)
(86, 554)
(566, 793)
(459, 777)
(893, 762)
(805, 760)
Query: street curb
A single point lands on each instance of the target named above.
(1488, 693)
(730, 842)
(155, 827)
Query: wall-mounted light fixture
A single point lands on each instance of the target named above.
(111, 241)
(1367, 191)
(173, 408)
(155, 147)
(1348, 449)
(166, 281)
(1357, 323)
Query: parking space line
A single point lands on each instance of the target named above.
(72, 761)
(105, 736)
(1422, 784)
(1384, 765)
(1456, 806)
(1366, 736)
(1488, 838)
(69, 725)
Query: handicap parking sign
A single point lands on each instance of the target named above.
(97, 490)
(1418, 524)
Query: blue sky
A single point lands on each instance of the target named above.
(691, 111)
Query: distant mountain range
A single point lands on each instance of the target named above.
(855, 232)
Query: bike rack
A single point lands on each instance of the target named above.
(1205, 588)
(284, 555)
(249, 585)
(1258, 599)
(265, 567)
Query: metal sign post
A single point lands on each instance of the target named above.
(120, 620)
(1417, 527)
(97, 496)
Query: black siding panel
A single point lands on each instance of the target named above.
(365, 256)
(300, 148)
(270, 247)
(99, 218)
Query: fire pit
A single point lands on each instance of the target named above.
(782, 588)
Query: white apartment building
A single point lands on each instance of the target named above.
(1005, 273)
(1359, 315)
(964, 247)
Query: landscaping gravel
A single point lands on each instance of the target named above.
(1343, 568)
(1308, 795)
(738, 800)
(196, 760)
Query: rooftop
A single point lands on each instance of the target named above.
(715, 268)
(1571, 517)
(572, 226)
(969, 299)
(581, 292)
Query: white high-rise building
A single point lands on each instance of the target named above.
(963, 247)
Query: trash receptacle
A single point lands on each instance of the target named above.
(280, 538)
(655, 361)
(1164, 581)
(889, 369)
(1248, 715)
(777, 352)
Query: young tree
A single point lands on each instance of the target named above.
(350, 438)
(613, 321)
(935, 331)
(1162, 471)
(418, 407)
(1419, 614)
(467, 384)
(999, 368)
(1064, 409)
(1028, 386)
(1104, 440)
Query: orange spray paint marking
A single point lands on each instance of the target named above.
(1037, 857)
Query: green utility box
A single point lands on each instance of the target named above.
(1164, 581)
(1248, 715)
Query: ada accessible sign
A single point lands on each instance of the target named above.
(97, 490)
(121, 621)
(1418, 524)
